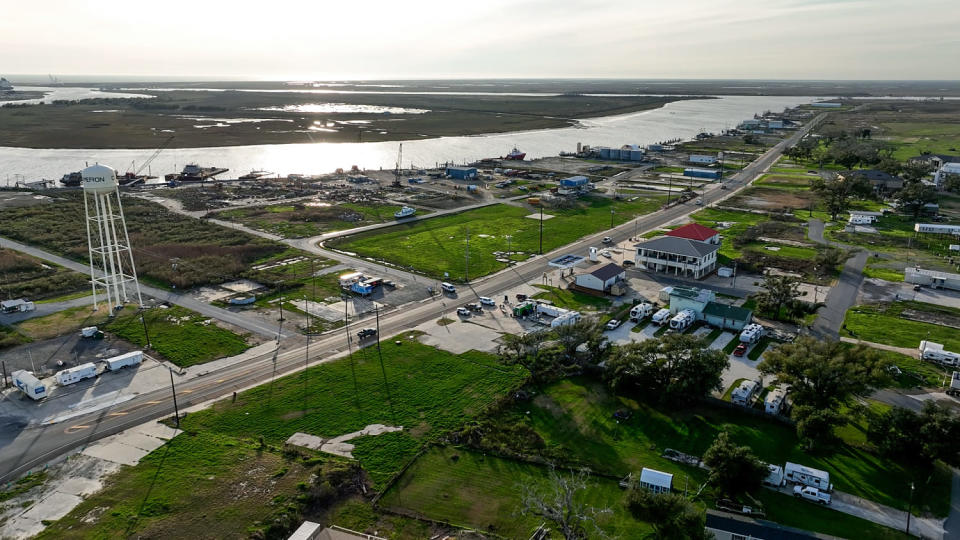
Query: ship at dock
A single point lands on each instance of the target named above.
(195, 173)
(516, 155)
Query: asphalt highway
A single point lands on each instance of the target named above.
(33, 446)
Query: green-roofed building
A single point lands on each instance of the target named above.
(726, 317)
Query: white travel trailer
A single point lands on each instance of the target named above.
(751, 333)
(681, 321)
(798, 474)
(641, 311)
(124, 360)
(934, 352)
(29, 385)
(773, 402)
(743, 394)
(76, 374)
(661, 317)
(774, 476)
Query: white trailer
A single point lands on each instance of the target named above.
(798, 474)
(954, 389)
(570, 317)
(88, 331)
(751, 333)
(29, 385)
(681, 321)
(347, 280)
(934, 352)
(661, 317)
(773, 402)
(76, 374)
(743, 394)
(774, 476)
(641, 311)
(124, 360)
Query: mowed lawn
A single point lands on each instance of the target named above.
(474, 490)
(301, 220)
(438, 246)
(883, 324)
(575, 418)
(427, 391)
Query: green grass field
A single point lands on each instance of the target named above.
(790, 181)
(483, 492)
(787, 510)
(299, 220)
(571, 299)
(883, 324)
(574, 417)
(438, 245)
(181, 336)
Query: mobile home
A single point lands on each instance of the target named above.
(798, 474)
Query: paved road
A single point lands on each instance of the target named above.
(43, 310)
(32, 447)
(843, 295)
(951, 527)
(180, 299)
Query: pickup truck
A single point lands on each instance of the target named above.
(811, 494)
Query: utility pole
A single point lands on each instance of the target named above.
(466, 268)
(909, 507)
(386, 385)
(176, 410)
(541, 229)
(670, 190)
(611, 218)
(145, 334)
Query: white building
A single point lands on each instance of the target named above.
(677, 256)
(656, 481)
(932, 278)
(702, 159)
(936, 228)
(601, 277)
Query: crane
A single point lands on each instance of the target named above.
(153, 156)
(396, 172)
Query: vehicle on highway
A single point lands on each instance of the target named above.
(367, 332)
(811, 494)
(613, 324)
(606, 254)
(607, 239)
(463, 312)
(700, 202)
(473, 306)
(487, 301)
(448, 288)
(740, 350)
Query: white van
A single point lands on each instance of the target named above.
(661, 317)
(448, 287)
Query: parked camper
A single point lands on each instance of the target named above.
(954, 389)
(798, 474)
(751, 333)
(17, 306)
(743, 394)
(774, 476)
(641, 311)
(29, 385)
(124, 360)
(934, 352)
(681, 321)
(661, 317)
(76, 374)
(773, 402)
(91, 332)
(448, 288)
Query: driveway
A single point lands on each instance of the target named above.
(843, 295)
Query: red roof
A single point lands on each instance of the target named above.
(693, 231)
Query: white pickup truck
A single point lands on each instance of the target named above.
(811, 494)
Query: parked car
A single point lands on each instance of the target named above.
(613, 324)
(606, 254)
(521, 297)
(811, 494)
(474, 307)
(607, 239)
(448, 287)
(628, 262)
(463, 312)
(389, 283)
(740, 350)
(487, 301)
(367, 332)
(699, 202)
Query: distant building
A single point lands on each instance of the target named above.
(5, 85)
(677, 256)
(462, 173)
(702, 302)
(732, 527)
(826, 104)
(709, 174)
(881, 181)
(309, 530)
(936, 228)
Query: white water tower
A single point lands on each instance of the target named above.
(111, 259)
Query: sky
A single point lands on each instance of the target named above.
(417, 39)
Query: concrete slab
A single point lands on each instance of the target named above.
(116, 452)
(143, 442)
(305, 440)
(157, 430)
(52, 508)
(537, 216)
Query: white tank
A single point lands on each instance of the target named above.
(593, 254)
(99, 179)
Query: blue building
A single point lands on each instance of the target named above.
(702, 173)
(462, 173)
(575, 181)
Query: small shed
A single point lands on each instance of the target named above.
(656, 481)
(601, 277)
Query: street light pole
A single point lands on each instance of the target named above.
(541, 229)
(611, 218)
(909, 507)
(176, 410)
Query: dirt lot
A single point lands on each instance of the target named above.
(761, 198)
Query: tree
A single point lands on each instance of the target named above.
(921, 438)
(914, 171)
(561, 503)
(915, 195)
(583, 331)
(890, 165)
(777, 292)
(895, 433)
(951, 182)
(674, 368)
(733, 469)
(825, 373)
(670, 514)
(829, 258)
(836, 193)
(815, 427)
(524, 350)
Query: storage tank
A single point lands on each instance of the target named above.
(98, 179)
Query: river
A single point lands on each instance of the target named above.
(679, 119)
